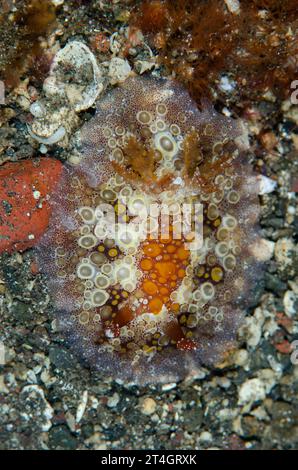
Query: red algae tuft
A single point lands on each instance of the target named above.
(24, 209)
(137, 294)
(255, 43)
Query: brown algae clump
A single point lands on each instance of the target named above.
(138, 295)
(254, 41)
(23, 25)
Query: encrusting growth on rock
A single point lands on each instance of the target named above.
(24, 210)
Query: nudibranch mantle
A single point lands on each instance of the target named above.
(134, 302)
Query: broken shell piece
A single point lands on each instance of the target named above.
(143, 66)
(75, 74)
(119, 70)
(266, 185)
(290, 302)
(75, 157)
(82, 406)
(53, 139)
(45, 127)
(233, 6)
(54, 126)
(50, 87)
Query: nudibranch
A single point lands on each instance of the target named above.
(151, 252)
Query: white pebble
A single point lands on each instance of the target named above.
(37, 109)
(251, 391)
(43, 149)
(113, 401)
(205, 436)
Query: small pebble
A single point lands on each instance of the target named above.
(113, 400)
(168, 387)
(205, 436)
(148, 406)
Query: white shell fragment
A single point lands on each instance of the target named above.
(85, 84)
(73, 85)
(290, 301)
(82, 407)
(53, 139)
(119, 70)
(266, 185)
(233, 6)
(144, 65)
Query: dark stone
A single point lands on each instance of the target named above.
(252, 427)
(274, 284)
(61, 438)
(13, 279)
(62, 358)
(87, 430)
(284, 427)
(256, 293)
(132, 416)
(26, 151)
(115, 433)
(193, 418)
(274, 222)
(22, 312)
(284, 416)
(39, 338)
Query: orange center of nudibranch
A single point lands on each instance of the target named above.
(163, 264)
